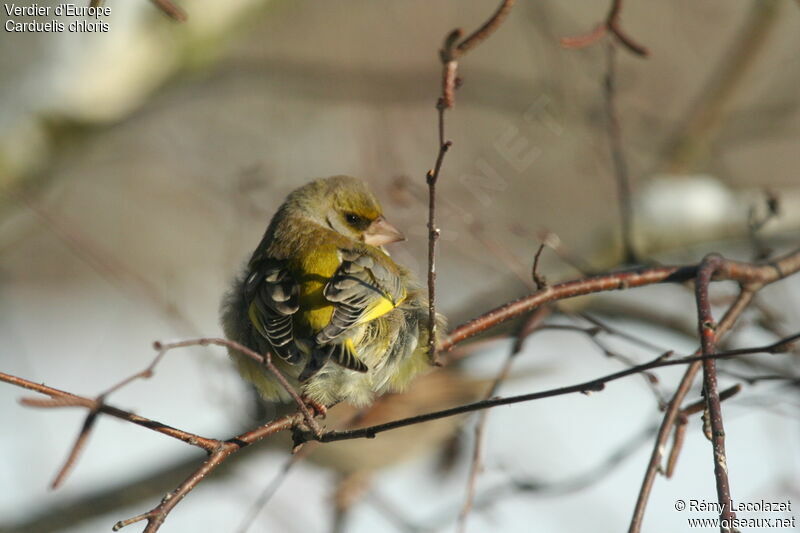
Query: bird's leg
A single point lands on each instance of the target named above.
(317, 409)
(301, 431)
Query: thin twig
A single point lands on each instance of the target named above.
(265, 359)
(756, 222)
(538, 279)
(433, 236)
(156, 516)
(586, 387)
(633, 339)
(677, 443)
(699, 405)
(649, 378)
(96, 405)
(708, 338)
(449, 54)
(672, 412)
(683, 420)
(67, 399)
(613, 24)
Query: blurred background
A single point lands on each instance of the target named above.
(140, 166)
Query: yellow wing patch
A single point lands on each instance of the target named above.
(380, 308)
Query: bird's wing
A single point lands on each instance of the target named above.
(272, 294)
(362, 289)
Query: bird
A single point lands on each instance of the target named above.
(341, 320)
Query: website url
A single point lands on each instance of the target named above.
(732, 523)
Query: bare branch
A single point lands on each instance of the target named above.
(586, 387)
(450, 52)
(156, 516)
(612, 26)
(538, 279)
(265, 359)
(749, 274)
(708, 338)
(488, 27)
(672, 413)
(67, 399)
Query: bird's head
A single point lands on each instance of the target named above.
(345, 205)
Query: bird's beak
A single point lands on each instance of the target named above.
(381, 232)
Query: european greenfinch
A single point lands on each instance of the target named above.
(342, 320)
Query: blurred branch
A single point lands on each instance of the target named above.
(165, 6)
(693, 141)
(119, 492)
(610, 25)
(533, 322)
(102, 261)
(618, 157)
(756, 222)
(270, 490)
(522, 485)
(156, 516)
(171, 10)
(218, 450)
(683, 420)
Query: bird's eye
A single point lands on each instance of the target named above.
(352, 218)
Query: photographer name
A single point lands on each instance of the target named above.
(54, 25)
(761, 506)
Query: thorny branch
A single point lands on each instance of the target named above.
(610, 25)
(451, 51)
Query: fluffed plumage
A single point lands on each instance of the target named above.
(343, 321)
